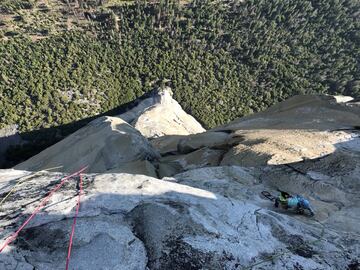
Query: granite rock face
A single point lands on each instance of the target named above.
(207, 218)
(298, 129)
(161, 115)
(107, 143)
(194, 201)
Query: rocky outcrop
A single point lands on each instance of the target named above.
(167, 144)
(305, 112)
(301, 128)
(161, 115)
(215, 140)
(107, 143)
(207, 210)
(213, 218)
(111, 144)
(261, 147)
(203, 157)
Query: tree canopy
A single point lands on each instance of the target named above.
(223, 59)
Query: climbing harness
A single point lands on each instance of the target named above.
(268, 195)
(12, 237)
(297, 200)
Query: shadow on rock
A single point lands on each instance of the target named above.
(135, 222)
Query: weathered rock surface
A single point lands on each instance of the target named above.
(303, 127)
(201, 214)
(144, 167)
(309, 112)
(262, 147)
(216, 140)
(203, 157)
(107, 143)
(208, 218)
(167, 144)
(165, 117)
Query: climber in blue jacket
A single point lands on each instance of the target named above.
(298, 202)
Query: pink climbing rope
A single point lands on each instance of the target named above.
(74, 223)
(42, 204)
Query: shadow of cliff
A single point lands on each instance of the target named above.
(337, 171)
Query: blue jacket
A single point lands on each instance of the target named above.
(293, 202)
(299, 201)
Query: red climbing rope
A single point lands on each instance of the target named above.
(43, 202)
(74, 223)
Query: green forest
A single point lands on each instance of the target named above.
(223, 59)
